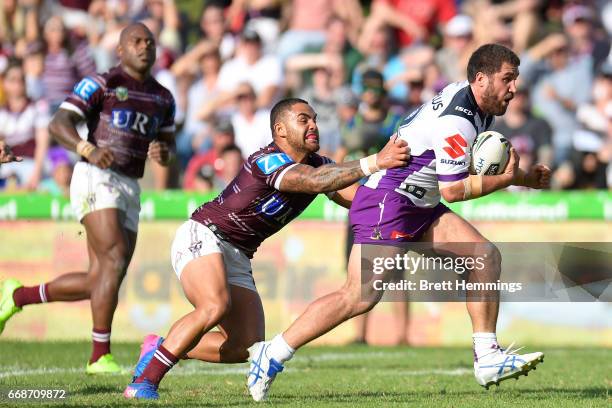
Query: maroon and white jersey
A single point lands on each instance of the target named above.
(124, 115)
(251, 208)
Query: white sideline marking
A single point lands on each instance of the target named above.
(195, 368)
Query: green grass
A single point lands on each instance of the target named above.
(317, 376)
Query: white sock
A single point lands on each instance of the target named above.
(484, 343)
(280, 350)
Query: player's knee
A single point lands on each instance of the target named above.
(235, 351)
(213, 311)
(492, 258)
(115, 258)
(348, 301)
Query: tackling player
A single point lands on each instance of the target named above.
(130, 117)
(403, 205)
(211, 252)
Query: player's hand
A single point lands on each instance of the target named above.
(101, 157)
(395, 154)
(6, 155)
(512, 171)
(159, 151)
(538, 177)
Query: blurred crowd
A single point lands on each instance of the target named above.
(362, 65)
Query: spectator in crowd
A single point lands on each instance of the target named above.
(214, 30)
(206, 179)
(231, 162)
(262, 16)
(18, 25)
(588, 164)
(456, 49)
(380, 53)
(492, 18)
(61, 173)
(33, 67)
(560, 84)
(23, 126)
(373, 124)
(347, 104)
(165, 15)
(198, 72)
(222, 137)
(322, 97)
(530, 136)
(307, 19)
(584, 40)
(251, 124)
(337, 53)
(262, 72)
(66, 61)
(413, 20)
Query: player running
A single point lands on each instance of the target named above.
(211, 252)
(130, 117)
(403, 205)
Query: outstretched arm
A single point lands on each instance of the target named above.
(302, 178)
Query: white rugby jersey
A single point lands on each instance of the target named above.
(440, 134)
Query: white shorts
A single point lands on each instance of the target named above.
(92, 189)
(194, 240)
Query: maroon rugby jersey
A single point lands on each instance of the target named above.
(124, 115)
(251, 208)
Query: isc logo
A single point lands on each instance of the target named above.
(128, 119)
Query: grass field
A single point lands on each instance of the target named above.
(318, 376)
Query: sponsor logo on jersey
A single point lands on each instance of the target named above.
(453, 162)
(464, 110)
(136, 121)
(399, 235)
(456, 146)
(86, 88)
(270, 162)
(121, 93)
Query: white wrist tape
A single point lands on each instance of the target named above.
(368, 165)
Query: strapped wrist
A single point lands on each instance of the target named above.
(472, 187)
(85, 149)
(368, 165)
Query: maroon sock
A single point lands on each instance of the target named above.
(160, 364)
(31, 295)
(101, 343)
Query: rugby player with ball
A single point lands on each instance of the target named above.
(403, 205)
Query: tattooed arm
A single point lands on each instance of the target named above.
(302, 178)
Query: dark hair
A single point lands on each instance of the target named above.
(489, 59)
(280, 108)
(230, 148)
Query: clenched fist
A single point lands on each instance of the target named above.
(160, 152)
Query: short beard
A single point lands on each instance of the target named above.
(489, 104)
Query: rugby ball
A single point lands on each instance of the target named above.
(490, 154)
